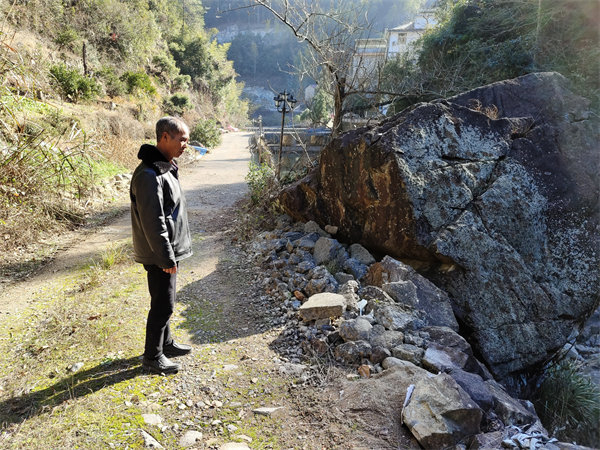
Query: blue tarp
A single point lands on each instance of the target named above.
(201, 150)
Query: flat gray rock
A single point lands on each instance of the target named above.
(322, 306)
(395, 362)
(190, 438)
(442, 359)
(266, 411)
(398, 317)
(408, 352)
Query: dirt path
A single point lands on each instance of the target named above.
(212, 184)
(76, 315)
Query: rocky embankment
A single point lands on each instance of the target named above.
(398, 331)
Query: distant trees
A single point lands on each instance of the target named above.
(319, 108)
(255, 56)
(479, 41)
(330, 30)
(222, 13)
(391, 13)
(383, 13)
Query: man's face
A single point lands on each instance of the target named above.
(173, 146)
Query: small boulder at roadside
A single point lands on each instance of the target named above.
(440, 413)
(322, 306)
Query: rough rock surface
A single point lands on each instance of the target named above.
(406, 286)
(355, 329)
(508, 409)
(440, 413)
(505, 210)
(474, 385)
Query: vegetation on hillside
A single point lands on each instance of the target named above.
(148, 50)
(483, 41)
(81, 85)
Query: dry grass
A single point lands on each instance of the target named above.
(54, 158)
(122, 151)
(490, 111)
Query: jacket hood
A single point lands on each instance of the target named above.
(151, 156)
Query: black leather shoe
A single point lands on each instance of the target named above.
(175, 349)
(160, 365)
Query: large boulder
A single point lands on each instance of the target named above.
(503, 207)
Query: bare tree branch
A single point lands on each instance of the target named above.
(330, 33)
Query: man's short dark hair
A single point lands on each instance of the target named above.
(171, 125)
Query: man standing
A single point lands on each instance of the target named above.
(161, 236)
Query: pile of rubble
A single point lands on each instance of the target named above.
(385, 318)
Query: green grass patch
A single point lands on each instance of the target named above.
(103, 168)
(201, 317)
(568, 403)
(45, 395)
(27, 104)
(116, 254)
(72, 377)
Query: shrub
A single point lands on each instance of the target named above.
(164, 66)
(66, 37)
(568, 403)
(206, 132)
(138, 83)
(113, 85)
(321, 108)
(182, 82)
(72, 84)
(177, 104)
(260, 179)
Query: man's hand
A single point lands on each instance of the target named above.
(171, 269)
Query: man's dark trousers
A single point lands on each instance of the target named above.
(162, 286)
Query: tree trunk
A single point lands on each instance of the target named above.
(84, 57)
(339, 93)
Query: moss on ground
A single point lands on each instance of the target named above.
(93, 318)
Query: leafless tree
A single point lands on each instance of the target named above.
(330, 29)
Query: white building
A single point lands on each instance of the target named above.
(369, 55)
(401, 39)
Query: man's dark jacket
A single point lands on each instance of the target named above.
(161, 234)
